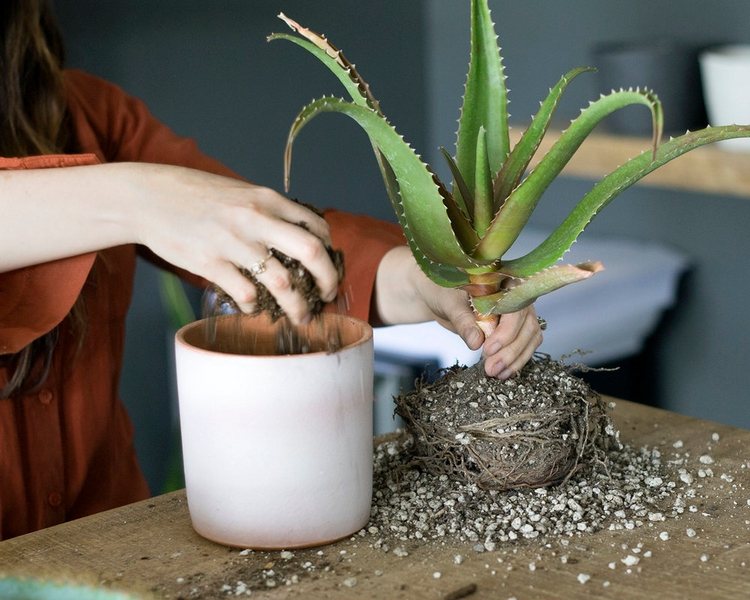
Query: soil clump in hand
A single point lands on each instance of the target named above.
(302, 281)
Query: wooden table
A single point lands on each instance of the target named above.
(150, 549)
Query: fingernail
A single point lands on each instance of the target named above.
(248, 309)
(506, 374)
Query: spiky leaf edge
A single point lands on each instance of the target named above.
(420, 206)
(360, 92)
(563, 237)
(519, 158)
(485, 98)
(516, 211)
(524, 292)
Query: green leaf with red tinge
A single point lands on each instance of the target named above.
(523, 292)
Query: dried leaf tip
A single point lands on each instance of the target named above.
(293, 25)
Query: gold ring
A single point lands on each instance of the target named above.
(542, 323)
(258, 268)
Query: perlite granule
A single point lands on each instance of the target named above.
(627, 489)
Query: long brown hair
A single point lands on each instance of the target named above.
(33, 120)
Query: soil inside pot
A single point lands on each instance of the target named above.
(260, 335)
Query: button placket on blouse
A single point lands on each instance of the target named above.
(45, 441)
(45, 397)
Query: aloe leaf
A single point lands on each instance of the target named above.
(465, 197)
(517, 209)
(482, 186)
(319, 46)
(560, 241)
(420, 207)
(485, 98)
(442, 275)
(518, 160)
(462, 227)
(527, 290)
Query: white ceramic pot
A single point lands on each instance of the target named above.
(277, 448)
(725, 71)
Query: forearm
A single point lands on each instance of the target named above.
(50, 214)
(209, 225)
(397, 298)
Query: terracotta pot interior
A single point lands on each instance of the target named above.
(259, 336)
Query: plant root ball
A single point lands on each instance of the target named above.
(533, 430)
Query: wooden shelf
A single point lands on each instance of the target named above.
(706, 170)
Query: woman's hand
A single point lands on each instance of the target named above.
(404, 294)
(212, 225)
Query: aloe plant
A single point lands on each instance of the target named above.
(459, 236)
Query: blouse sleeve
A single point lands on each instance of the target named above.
(34, 300)
(364, 241)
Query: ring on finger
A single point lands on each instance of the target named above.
(259, 267)
(542, 323)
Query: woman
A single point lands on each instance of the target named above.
(89, 178)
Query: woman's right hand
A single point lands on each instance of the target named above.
(212, 225)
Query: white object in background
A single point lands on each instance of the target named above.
(277, 449)
(608, 316)
(725, 71)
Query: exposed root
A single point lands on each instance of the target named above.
(530, 431)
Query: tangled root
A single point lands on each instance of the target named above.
(533, 430)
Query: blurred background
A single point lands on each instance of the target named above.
(205, 69)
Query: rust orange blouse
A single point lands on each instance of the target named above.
(67, 450)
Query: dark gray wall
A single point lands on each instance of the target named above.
(206, 70)
(701, 352)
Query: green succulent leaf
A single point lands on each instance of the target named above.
(359, 90)
(485, 98)
(420, 205)
(482, 186)
(442, 275)
(465, 197)
(517, 209)
(319, 46)
(560, 241)
(525, 291)
(518, 160)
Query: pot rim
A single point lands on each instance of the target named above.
(365, 337)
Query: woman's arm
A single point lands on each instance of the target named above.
(204, 223)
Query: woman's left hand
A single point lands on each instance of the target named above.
(404, 294)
